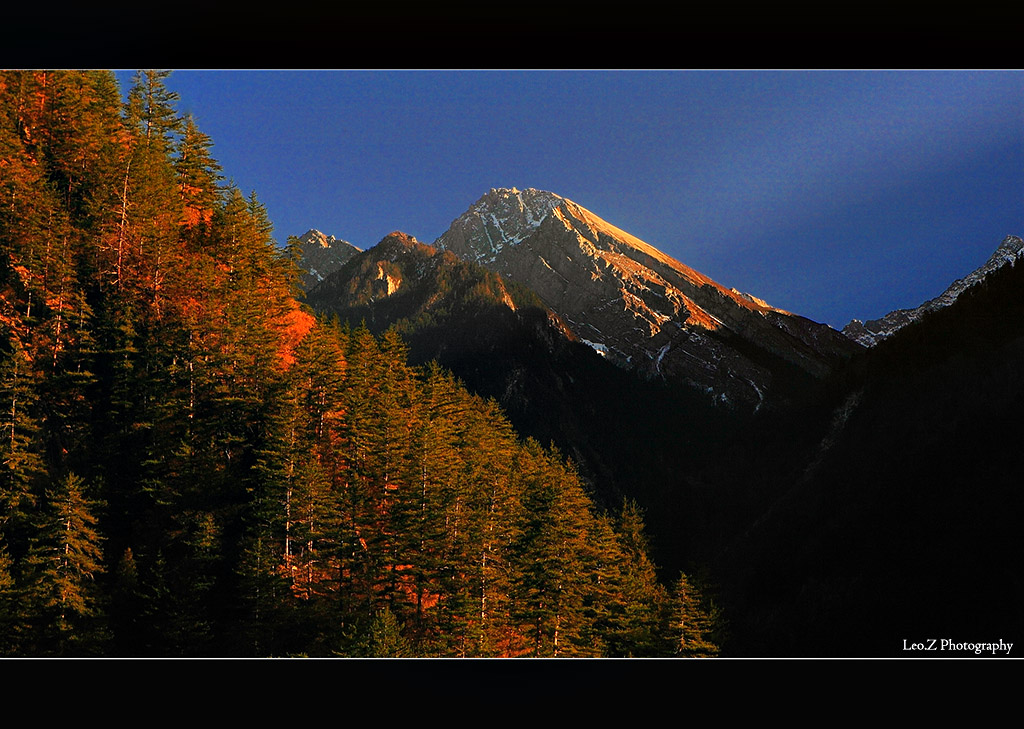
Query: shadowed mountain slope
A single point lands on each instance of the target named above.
(904, 522)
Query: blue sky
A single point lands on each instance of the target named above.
(833, 194)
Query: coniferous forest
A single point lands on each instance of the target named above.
(195, 465)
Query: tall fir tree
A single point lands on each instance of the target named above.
(695, 621)
(63, 601)
(9, 613)
(198, 175)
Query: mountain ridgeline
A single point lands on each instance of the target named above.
(194, 465)
(872, 332)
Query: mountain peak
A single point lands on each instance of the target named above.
(632, 302)
(396, 241)
(529, 193)
(501, 218)
(322, 254)
(1011, 245)
(315, 236)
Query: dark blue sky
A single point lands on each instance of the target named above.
(833, 194)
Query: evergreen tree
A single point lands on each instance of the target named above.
(126, 607)
(151, 209)
(557, 559)
(694, 621)
(266, 625)
(432, 490)
(636, 629)
(491, 524)
(63, 562)
(22, 465)
(198, 175)
(8, 604)
(383, 638)
(151, 110)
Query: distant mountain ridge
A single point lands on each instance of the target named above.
(321, 255)
(872, 332)
(401, 280)
(636, 305)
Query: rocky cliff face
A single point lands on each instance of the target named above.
(636, 305)
(872, 332)
(321, 255)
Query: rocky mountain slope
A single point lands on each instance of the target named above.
(320, 256)
(872, 332)
(639, 307)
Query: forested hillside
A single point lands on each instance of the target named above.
(194, 465)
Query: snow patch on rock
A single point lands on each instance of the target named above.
(597, 347)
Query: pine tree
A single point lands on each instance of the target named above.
(198, 175)
(293, 488)
(126, 606)
(267, 619)
(391, 467)
(8, 604)
(432, 489)
(151, 209)
(557, 559)
(63, 562)
(151, 110)
(22, 465)
(383, 638)
(356, 488)
(492, 500)
(695, 621)
(635, 628)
